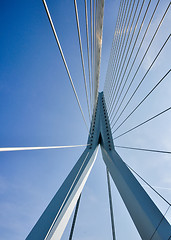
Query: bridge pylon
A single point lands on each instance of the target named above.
(149, 221)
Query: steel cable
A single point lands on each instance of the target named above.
(143, 149)
(131, 53)
(114, 63)
(64, 61)
(141, 63)
(141, 80)
(136, 56)
(116, 45)
(115, 42)
(136, 23)
(75, 217)
(148, 120)
(82, 58)
(122, 52)
(129, 31)
(9, 149)
(110, 204)
(91, 12)
(148, 184)
(110, 56)
(108, 79)
(113, 86)
(160, 223)
(142, 101)
(88, 53)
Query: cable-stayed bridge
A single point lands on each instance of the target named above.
(137, 27)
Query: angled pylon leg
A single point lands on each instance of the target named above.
(54, 219)
(149, 221)
(147, 218)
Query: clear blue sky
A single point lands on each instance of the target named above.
(38, 108)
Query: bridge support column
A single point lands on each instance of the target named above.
(149, 221)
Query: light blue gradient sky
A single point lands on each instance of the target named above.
(38, 108)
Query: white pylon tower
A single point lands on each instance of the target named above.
(149, 221)
(144, 213)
